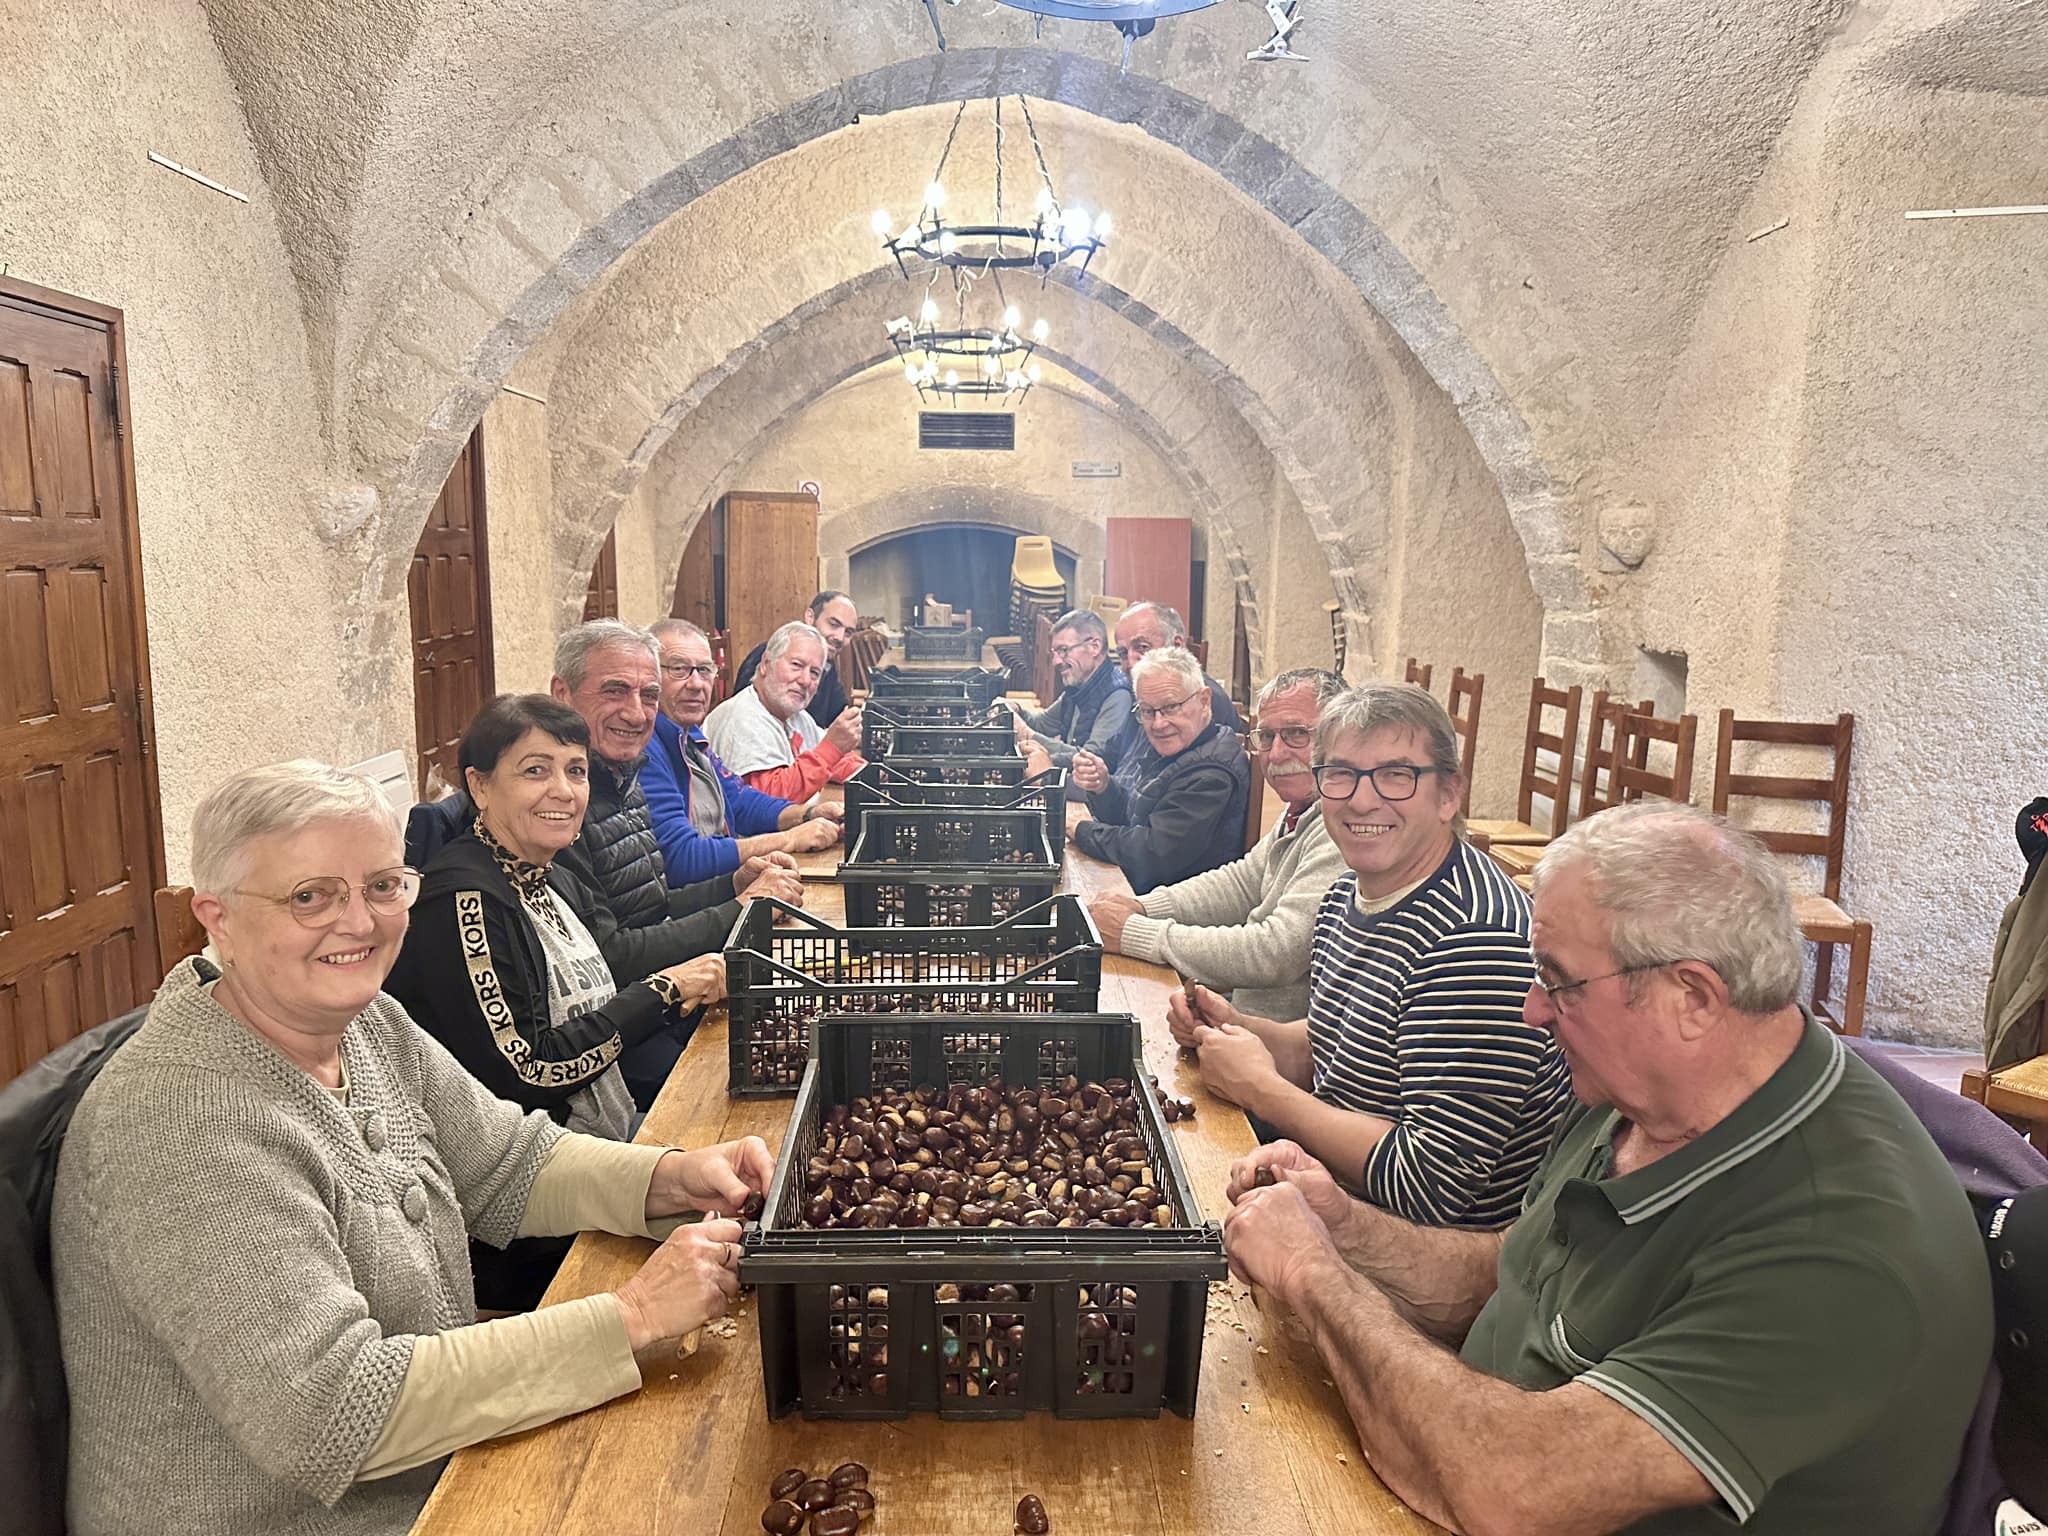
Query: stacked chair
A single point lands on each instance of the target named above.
(1035, 585)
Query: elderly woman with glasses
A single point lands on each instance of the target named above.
(1414, 1073)
(262, 1206)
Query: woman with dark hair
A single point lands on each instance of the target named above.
(501, 965)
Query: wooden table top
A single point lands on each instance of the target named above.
(1270, 1449)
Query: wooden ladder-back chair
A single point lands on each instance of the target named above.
(1556, 789)
(1821, 918)
(1045, 682)
(1603, 723)
(1255, 807)
(1466, 690)
(1419, 673)
(1630, 776)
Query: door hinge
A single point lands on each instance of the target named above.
(142, 732)
(114, 398)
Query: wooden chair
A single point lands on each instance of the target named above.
(1604, 723)
(1419, 673)
(1045, 682)
(721, 681)
(1466, 689)
(1821, 918)
(1556, 789)
(1255, 809)
(859, 657)
(1629, 774)
(179, 934)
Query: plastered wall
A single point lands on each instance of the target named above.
(245, 595)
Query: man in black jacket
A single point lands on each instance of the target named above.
(1147, 627)
(1094, 705)
(832, 615)
(1176, 803)
(610, 674)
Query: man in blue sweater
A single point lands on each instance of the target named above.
(707, 819)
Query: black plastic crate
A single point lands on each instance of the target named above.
(979, 684)
(944, 642)
(781, 977)
(884, 786)
(996, 738)
(1006, 768)
(942, 896)
(881, 719)
(980, 1322)
(944, 868)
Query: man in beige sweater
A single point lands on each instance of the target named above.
(1245, 928)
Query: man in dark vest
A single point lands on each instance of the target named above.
(1094, 703)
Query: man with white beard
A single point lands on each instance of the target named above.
(1245, 928)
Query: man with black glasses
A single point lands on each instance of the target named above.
(1746, 1290)
(1176, 805)
(1094, 703)
(1414, 1074)
(1245, 928)
(709, 821)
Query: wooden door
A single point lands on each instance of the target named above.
(771, 564)
(698, 587)
(81, 845)
(450, 588)
(601, 598)
(1149, 560)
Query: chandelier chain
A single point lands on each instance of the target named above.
(939, 175)
(1038, 149)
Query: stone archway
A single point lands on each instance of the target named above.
(413, 410)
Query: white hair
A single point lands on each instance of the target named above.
(1171, 628)
(574, 650)
(276, 799)
(1325, 684)
(679, 629)
(1680, 883)
(783, 638)
(1171, 661)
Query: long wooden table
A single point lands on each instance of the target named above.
(1270, 1449)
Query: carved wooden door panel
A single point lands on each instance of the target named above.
(450, 588)
(80, 839)
(601, 600)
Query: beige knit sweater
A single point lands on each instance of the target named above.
(244, 1266)
(1245, 928)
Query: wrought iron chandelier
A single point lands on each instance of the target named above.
(985, 361)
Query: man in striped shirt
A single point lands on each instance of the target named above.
(1414, 1072)
(1745, 1287)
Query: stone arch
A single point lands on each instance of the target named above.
(730, 418)
(691, 476)
(644, 345)
(410, 419)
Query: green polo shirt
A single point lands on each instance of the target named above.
(1798, 1301)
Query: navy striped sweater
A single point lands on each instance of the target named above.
(1415, 1015)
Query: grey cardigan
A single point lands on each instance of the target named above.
(1246, 928)
(242, 1263)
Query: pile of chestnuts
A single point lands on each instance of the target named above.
(837, 1504)
(993, 1156)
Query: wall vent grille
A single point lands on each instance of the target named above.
(967, 429)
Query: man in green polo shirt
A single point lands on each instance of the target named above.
(1744, 1283)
